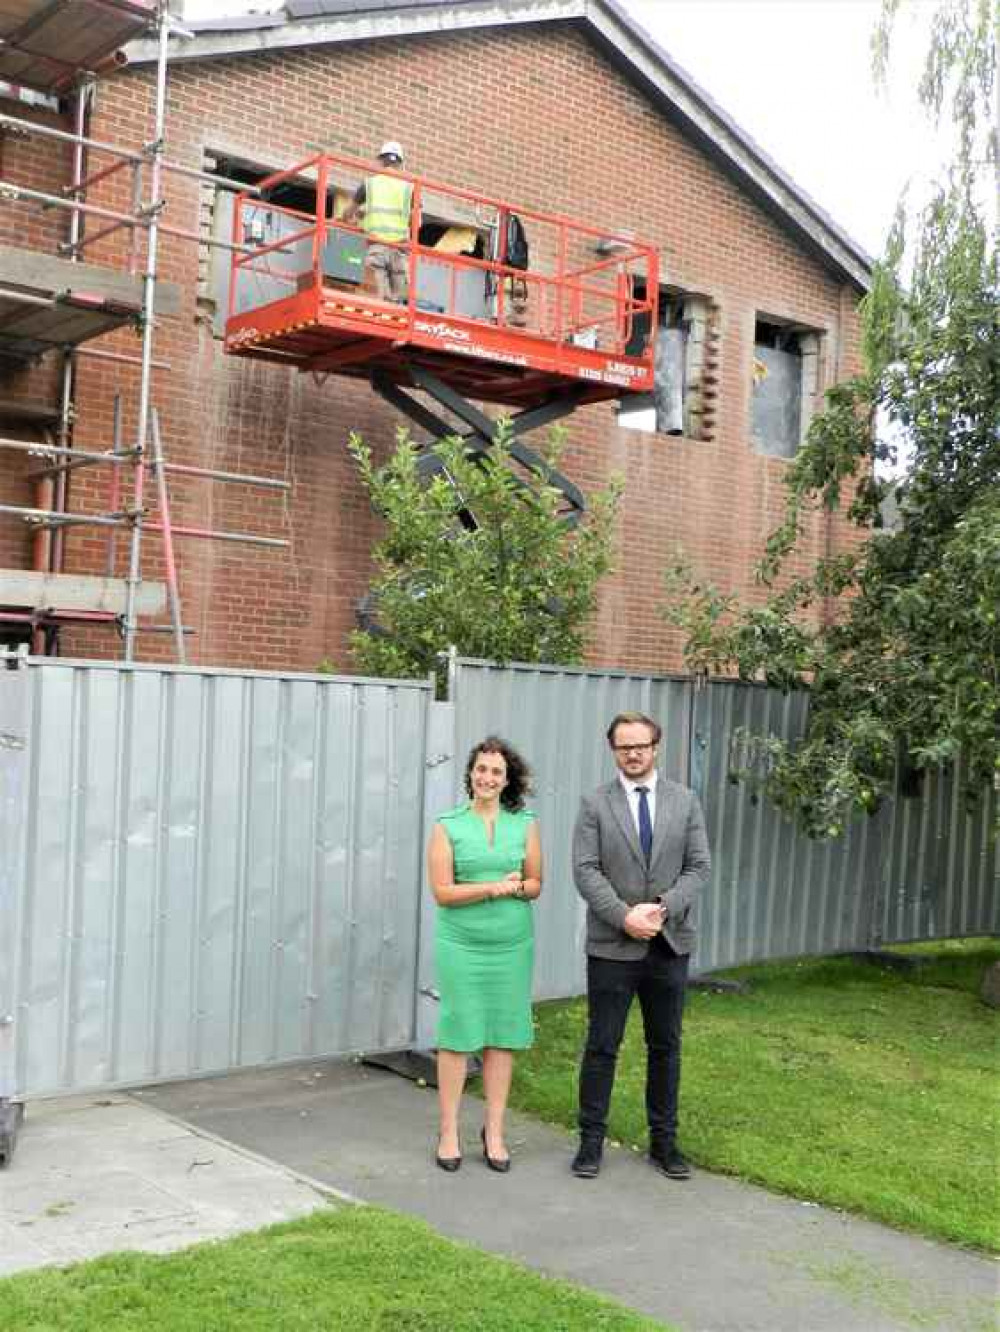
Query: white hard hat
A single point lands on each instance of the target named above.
(391, 149)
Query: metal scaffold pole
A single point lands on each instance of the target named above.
(68, 368)
(163, 498)
(154, 207)
(60, 455)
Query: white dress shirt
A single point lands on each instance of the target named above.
(632, 791)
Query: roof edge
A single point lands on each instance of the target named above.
(358, 25)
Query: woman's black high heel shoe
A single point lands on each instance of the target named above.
(447, 1163)
(494, 1162)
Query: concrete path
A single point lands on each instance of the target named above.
(707, 1255)
(98, 1175)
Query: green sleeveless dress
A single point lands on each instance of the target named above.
(484, 953)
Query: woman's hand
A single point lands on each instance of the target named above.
(511, 885)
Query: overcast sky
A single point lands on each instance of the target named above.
(796, 75)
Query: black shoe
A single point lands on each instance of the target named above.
(669, 1161)
(587, 1162)
(448, 1163)
(500, 1164)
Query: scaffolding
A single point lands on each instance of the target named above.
(542, 341)
(53, 48)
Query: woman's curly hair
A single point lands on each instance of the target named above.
(518, 773)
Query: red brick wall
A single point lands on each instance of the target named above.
(533, 115)
(37, 164)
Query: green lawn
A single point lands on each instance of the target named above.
(835, 1080)
(357, 1268)
(855, 1085)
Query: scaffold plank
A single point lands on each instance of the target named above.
(48, 591)
(47, 302)
(45, 45)
(48, 274)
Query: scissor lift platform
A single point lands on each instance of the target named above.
(348, 333)
(570, 323)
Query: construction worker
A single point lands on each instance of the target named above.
(385, 205)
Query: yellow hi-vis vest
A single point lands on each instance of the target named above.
(387, 208)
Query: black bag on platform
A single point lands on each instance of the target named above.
(517, 242)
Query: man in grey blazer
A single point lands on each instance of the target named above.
(640, 857)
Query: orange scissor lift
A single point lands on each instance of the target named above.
(573, 327)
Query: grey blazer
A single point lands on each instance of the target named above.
(611, 873)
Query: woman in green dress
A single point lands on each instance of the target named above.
(485, 869)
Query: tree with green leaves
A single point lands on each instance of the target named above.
(906, 672)
(479, 558)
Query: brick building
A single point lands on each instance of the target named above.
(565, 107)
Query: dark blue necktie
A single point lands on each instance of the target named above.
(645, 823)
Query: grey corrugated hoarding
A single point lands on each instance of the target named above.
(13, 801)
(941, 874)
(922, 868)
(217, 870)
(204, 870)
(773, 892)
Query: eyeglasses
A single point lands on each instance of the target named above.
(634, 749)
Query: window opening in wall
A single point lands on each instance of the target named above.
(785, 384)
(262, 224)
(682, 401)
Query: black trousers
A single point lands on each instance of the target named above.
(659, 980)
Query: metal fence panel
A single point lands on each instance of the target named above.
(920, 869)
(773, 892)
(220, 870)
(204, 870)
(941, 877)
(13, 806)
(442, 776)
(557, 718)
